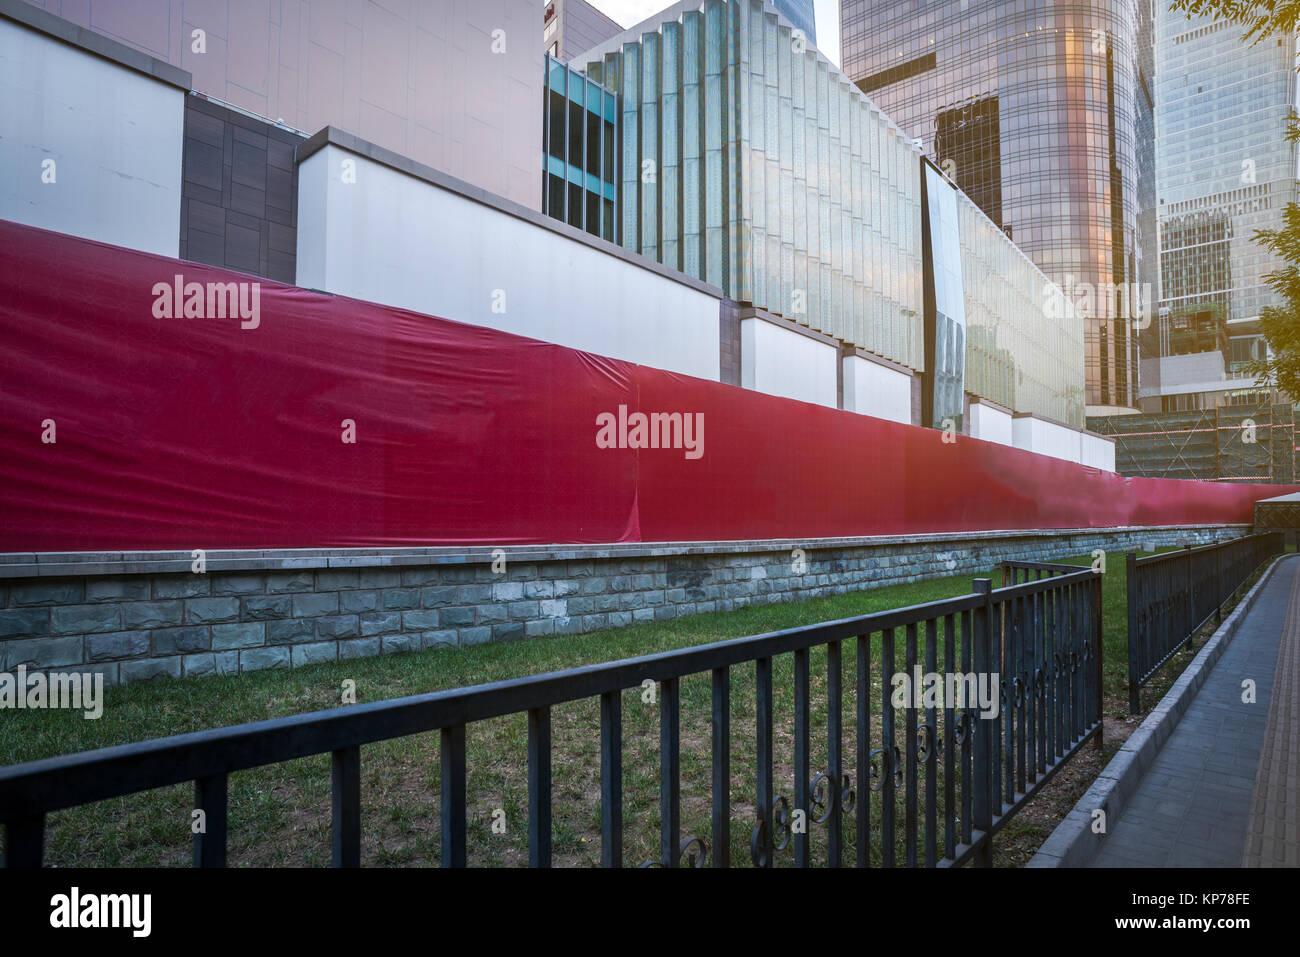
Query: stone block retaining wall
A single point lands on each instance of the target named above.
(134, 616)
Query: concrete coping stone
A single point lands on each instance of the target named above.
(70, 564)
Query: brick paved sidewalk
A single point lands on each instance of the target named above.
(1229, 770)
(1273, 838)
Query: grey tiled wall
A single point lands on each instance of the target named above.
(729, 335)
(138, 626)
(239, 192)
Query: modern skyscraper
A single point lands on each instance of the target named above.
(1225, 171)
(1042, 112)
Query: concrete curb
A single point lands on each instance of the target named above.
(1073, 843)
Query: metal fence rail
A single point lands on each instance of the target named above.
(926, 783)
(1173, 594)
(1014, 572)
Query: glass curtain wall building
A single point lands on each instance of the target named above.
(579, 151)
(1226, 170)
(765, 171)
(1020, 353)
(801, 15)
(1042, 111)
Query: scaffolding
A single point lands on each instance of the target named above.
(1236, 443)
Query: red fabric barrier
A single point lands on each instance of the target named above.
(215, 432)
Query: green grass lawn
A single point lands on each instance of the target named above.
(280, 815)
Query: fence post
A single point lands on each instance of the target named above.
(25, 841)
(1131, 598)
(1099, 635)
(982, 811)
(1218, 585)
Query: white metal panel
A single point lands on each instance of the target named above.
(1046, 438)
(394, 239)
(115, 137)
(990, 424)
(783, 362)
(1098, 451)
(873, 389)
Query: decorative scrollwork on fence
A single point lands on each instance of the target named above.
(691, 859)
(875, 778)
(823, 796)
(821, 799)
(927, 742)
(963, 726)
(780, 817)
(848, 796)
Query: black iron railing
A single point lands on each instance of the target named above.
(925, 781)
(1172, 595)
(1013, 573)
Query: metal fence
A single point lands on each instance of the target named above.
(1014, 573)
(925, 781)
(1171, 595)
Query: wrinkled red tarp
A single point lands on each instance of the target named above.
(197, 433)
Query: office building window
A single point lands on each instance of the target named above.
(580, 167)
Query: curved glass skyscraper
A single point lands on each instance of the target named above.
(1042, 112)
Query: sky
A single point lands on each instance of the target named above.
(629, 12)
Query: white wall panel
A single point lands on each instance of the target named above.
(395, 239)
(873, 389)
(115, 136)
(783, 362)
(1046, 438)
(990, 424)
(1098, 451)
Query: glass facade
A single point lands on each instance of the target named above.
(579, 151)
(1024, 337)
(1226, 170)
(801, 16)
(762, 171)
(945, 304)
(968, 137)
(1042, 111)
(765, 171)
